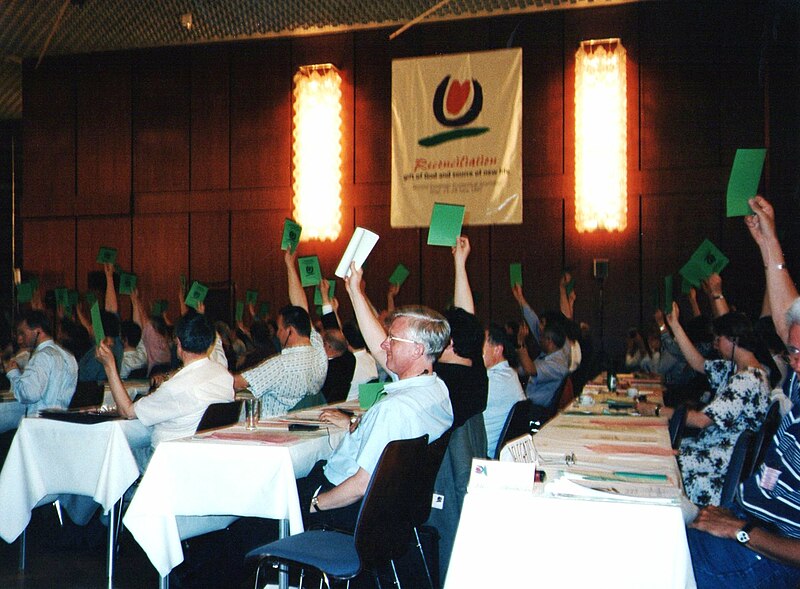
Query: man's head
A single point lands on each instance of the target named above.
(131, 333)
(498, 347)
(334, 342)
(416, 338)
(352, 332)
(553, 338)
(293, 323)
(793, 343)
(195, 333)
(466, 333)
(33, 327)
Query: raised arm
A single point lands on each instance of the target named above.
(693, 302)
(121, 398)
(112, 305)
(713, 287)
(330, 319)
(392, 292)
(462, 293)
(693, 357)
(371, 327)
(140, 318)
(780, 287)
(297, 296)
(566, 302)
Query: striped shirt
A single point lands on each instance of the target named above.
(779, 504)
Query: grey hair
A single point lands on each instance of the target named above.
(793, 313)
(426, 326)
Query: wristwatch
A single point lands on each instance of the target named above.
(315, 504)
(743, 535)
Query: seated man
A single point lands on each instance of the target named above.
(341, 365)
(551, 367)
(176, 407)
(283, 380)
(504, 387)
(134, 354)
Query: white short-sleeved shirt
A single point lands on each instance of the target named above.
(504, 390)
(366, 370)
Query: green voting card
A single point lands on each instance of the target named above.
(686, 286)
(24, 292)
(251, 298)
(446, 222)
(291, 235)
(656, 297)
(263, 310)
(705, 261)
(369, 393)
(62, 296)
(72, 298)
(158, 307)
(107, 255)
(743, 181)
(570, 286)
(318, 292)
(310, 274)
(197, 294)
(127, 283)
(515, 273)
(239, 310)
(97, 324)
(668, 294)
(399, 275)
(90, 298)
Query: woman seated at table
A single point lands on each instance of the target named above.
(741, 397)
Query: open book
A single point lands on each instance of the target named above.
(358, 249)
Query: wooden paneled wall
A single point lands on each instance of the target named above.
(181, 158)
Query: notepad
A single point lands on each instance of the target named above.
(743, 181)
(291, 235)
(358, 249)
(446, 223)
(310, 274)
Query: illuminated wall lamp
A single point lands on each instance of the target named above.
(317, 150)
(601, 154)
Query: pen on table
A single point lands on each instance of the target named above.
(640, 475)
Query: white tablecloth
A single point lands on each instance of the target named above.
(51, 458)
(11, 411)
(525, 538)
(202, 476)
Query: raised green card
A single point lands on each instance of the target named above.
(570, 286)
(24, 292)
(668, 294)
(239, 310)
(743, 181)
(399, 275)
(263, 310)
(62, 296)
(446, 223)
(158, 307)
(197, 294)
(107, 255)
(90, 298)
(251, 298)
(72, 298)
(97, 324)
(310, 274)
(515, 274)
(705, 261)
(686, 286)
(127, 283)
(318, 292)
(369, 393)
(291, 235)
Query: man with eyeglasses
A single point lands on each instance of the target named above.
(755, 542)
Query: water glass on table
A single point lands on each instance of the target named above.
(252, 411)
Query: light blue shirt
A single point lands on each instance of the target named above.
(551, 369)
(48, 380)
(504, 390)
(411, 408)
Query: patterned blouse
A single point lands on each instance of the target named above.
(740, 402)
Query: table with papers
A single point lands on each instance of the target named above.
(611, 512)
(230, 472)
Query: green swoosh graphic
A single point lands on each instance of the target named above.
(451, 135)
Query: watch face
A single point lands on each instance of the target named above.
(742, 536)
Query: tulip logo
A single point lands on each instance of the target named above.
(452, 108)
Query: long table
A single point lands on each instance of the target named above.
(228, 472)
(563, 534)
(11, 411)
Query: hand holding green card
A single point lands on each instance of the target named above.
(127, 283)
(24, 292)
(515, 274)
(310, 274)
(318, 293)
(446, 223)
(62, 297)
(263, 310)
(291, 235)
(97, 324)
(107, 255)
(239, 311)
(197, 294)
(668, 294)
(251, 298)
(743, 181)
(399, 275)
(705, 261)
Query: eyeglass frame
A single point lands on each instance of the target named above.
(393, 338)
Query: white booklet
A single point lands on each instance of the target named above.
(358, 249)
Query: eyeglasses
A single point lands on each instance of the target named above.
(394, 338)
(791, 353)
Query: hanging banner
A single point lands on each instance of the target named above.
(457, 137)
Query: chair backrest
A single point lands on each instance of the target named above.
(384, 526)
(87, 394)
(425, 479)
(765, 434)
(739, 465)
(220, 415)
(677, 423)
(567, 394)
(517, 423)
(314, 400)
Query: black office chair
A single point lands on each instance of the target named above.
(315, 400)
(383, 528)
(87, 394)
(423, 493)
(739, 465)
(220, 415)
(518, 422)
(544, 413)
(677, 423)
(765, 434)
